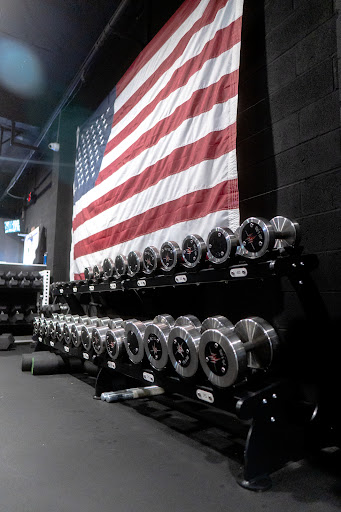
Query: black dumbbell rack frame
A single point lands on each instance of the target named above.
(264, 400)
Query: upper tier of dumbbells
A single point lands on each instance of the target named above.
(255, 239)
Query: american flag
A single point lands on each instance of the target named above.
(158, 162)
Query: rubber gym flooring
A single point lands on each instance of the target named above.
(63, 451)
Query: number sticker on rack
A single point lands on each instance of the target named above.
(61, 291)
(112, 286)
(148, 376)
(66, 349)
(85, 355)
(40, 339)
(52, 343)
(206, 396)
(112, 365)
(181, 279)
(238, 272)
(74, 289)
(91, 287)
(141, 282)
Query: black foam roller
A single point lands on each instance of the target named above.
(47, 365)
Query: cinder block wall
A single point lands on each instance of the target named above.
(289, 126)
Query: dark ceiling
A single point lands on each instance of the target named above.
(57, 52)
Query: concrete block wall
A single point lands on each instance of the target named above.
(288, 152)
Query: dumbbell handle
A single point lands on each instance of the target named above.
(250, 345)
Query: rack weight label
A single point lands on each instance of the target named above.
(74, 289)
(85, 355)
(238, 272)
(91, 288)
(181, 279)
(40, 339)
(206, 396)
(66, 349)
(141, 282)
(113, 286)
(148, 376)
(52, 343)
(61, 291)
(111, 365)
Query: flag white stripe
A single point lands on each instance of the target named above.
(163, 53)
(218, 118)
(177, 232)
(223, 19)
(207, 174)
(210, 73)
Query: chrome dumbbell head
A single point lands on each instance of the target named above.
(155, 340)
(221, 245)
(133, 340)
(183, 345)
(193, 251)
(170, 256)
(135, 263)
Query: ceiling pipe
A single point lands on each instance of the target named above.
(70, 90)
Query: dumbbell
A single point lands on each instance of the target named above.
(16, 315)
(11, 278)
(183, 345)
(134, 263)
(52, 323)
(194, 251)
(133, 339)
(36, 325)
(257, 235)
(227, 352)
(108, 268)
(76, 330)
(171, 256)
(221, 244)
(114, 342)
(97, 272)
(86, 330)
(37, 281)
(155, 340)
(98, 336)
(151, 260)
(59, 327)
(67, 325)
(2, 280)
(121, 266)
(88, 273)
(3, 314)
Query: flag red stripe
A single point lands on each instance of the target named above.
(213, 145)
(206, 19)
(223, 41)
(201, 101)
(180, 16)
(223, 196)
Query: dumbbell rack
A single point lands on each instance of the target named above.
(13, 293)
(264, 402)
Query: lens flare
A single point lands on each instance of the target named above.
(20, 70)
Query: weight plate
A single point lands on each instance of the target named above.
(188, 320)
(183, 346)
(134, 263)
(287, 232)
(164, 319)
(222, 356)
(155, 344)
(256, 236)
(193, 250)
(98, 337)
(121, 265)
(221, 245)
(151, 259)
(216, 322)
(108, 267)
(86, 332)
(114, 341)
(133, 340)
(88, 273)
(261, 338)
(170, 255)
